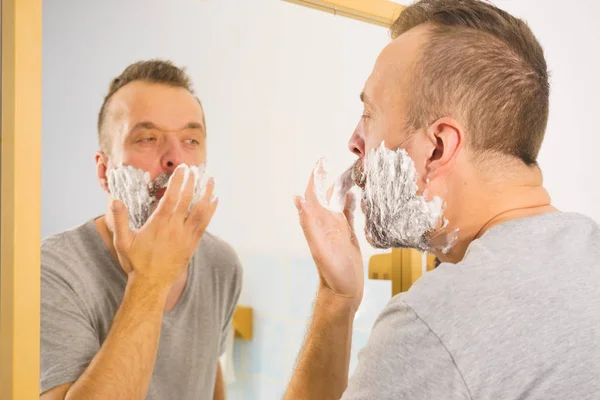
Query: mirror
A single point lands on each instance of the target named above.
(279, 84)
(277, 96)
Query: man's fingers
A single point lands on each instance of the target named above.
(208, 193)
(202, 212)
(308, 221)
(186, 194)
(122, 232)
(315, 191)
(167, 203)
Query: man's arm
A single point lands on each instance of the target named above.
(154, 257)
(123, 367)
(322, 370)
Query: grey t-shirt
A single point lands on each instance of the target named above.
(518, 318)
(82, 288)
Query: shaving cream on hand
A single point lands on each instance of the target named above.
(339, 191)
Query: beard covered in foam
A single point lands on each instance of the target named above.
(396, 215)
(138, 192)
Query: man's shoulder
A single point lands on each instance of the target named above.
(219, 253)
(512, 260)
(73, 255)
(65, 243)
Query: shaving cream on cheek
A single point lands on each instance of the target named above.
(135, 189)
(396, 216)
(131, 186)
(201, 178)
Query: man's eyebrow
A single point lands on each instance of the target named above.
(150, 125)
(143, 125)
(364, 98)
(194, 125)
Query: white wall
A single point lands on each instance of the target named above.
(280, 87)
(570, 35)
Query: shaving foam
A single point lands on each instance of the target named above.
(396, 216)
(201, 177)
(137, 191)
(319, 179)
(340, 189)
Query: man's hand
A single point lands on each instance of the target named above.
(333, 244)
(322, 369)
(160, 251)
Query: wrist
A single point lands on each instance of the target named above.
(154, 291)
(334, 303)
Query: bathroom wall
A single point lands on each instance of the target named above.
(280, 86)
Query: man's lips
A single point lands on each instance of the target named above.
(160, 193)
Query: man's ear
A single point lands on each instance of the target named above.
(447, 135)
(102, 169)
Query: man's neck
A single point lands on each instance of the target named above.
(490, 205)
(103, 225)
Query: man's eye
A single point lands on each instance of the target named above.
(192, 141)
(147, 139)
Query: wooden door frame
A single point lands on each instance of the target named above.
(20, 202)
(379, 12)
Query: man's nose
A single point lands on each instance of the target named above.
(356, 144)
(172, 155)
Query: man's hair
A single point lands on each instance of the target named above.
(484, 67)
(153, 71)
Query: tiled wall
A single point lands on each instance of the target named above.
(281, 290)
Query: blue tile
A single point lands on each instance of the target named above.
(304, 281)
(244, 388)
(270, 390)
(266, 283)
(265, 353)
(238, 390)
(237, 356)
(256, 388)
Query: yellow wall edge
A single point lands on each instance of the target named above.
(379, 12)
(21, 187)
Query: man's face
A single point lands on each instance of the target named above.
(393, 160)
(154, 128)
(157, 127)
(385, 99)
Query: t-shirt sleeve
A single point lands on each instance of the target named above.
(68, 339)
(404, 359)
(232, 299)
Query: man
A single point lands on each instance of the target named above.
(455, 110)
(137, 303)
